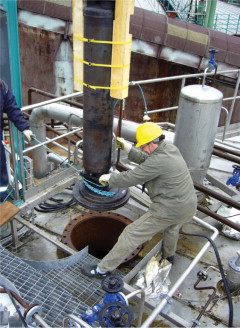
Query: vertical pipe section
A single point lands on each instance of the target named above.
(97, 104)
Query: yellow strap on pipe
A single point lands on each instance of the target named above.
(99, 87)
(98, 41)
(101, 65)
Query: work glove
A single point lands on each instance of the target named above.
(28, 134)
(104, 179)
(123, 144)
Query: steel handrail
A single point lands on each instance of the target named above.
(158, 309)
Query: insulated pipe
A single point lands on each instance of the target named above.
(36, 120)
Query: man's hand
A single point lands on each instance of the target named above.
(123, 144)
(28, 134)
(104, 179)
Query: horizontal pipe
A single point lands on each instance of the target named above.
(214, 194)
(218, 217)
(227, 150)
(224, 155)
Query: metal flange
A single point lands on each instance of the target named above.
(94, 201)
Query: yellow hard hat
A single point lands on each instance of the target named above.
(147, 132)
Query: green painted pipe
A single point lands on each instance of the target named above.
(200, 10)
(210, 14)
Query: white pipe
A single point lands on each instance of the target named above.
(160, 306)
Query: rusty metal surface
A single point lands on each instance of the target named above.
(98, 106)
(37, 49)
(98, 230)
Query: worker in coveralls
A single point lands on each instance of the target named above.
(9, 106)
(170, 187)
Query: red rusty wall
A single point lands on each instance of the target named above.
(157, 95)
(37, 49)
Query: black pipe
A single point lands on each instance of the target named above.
(97, 103)
(218, 217)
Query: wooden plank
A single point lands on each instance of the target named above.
(78, 30)
(121, 53)
(7, 212)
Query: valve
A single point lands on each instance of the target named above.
(234, 180)
(212, 63)
(91, 315)
(115, 315)
(112, 284)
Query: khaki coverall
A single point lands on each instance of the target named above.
(173, 198)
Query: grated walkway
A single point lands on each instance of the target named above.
(57, 286)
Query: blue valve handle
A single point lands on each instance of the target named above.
(212, 59)
(234, 180)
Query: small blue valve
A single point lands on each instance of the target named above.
(234, 180)
(212, 63)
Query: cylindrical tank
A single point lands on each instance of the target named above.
(233, 273)
(196, 127)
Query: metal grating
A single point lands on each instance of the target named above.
(58, 286)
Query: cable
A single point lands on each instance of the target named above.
(144, 100)
(230, 319)
(46, 207)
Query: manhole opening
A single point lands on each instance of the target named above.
(97, 230)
